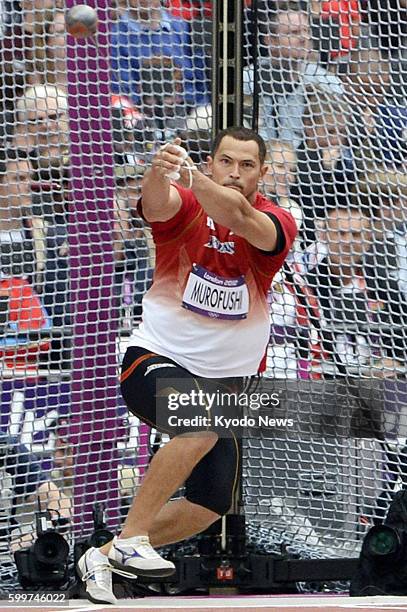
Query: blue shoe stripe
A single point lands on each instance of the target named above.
(126, 556)
(92, 577)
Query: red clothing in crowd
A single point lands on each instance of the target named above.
(346, 13)
(188, 9)
(25, 314)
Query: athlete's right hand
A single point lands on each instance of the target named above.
(168, 159)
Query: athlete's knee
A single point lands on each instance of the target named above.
(203, 517)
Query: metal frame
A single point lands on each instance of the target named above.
(227, 64)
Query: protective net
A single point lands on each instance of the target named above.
(81, 119)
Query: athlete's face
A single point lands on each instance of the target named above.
(236, 164)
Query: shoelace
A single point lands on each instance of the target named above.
(100, 567)
(105, 567)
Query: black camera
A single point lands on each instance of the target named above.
(382, 568)
(100, 535)
(45, 563)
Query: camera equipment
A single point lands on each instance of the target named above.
(382, 566)
(100, 535)
(45, 563)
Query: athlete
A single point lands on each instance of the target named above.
(205, 326)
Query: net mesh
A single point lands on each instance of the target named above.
(80, 122)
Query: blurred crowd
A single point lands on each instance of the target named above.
(329, 77)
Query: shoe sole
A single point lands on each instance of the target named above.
(89, 596)
(153, 573)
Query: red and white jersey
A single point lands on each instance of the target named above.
(207, 307)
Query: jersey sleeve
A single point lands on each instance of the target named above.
(174, 227)
(286, 233)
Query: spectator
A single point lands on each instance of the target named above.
(117, 9)
(189, 9)
(132, 133)
(384, 194)
(30, 482)
(370, 81)
(134, 247)
(282, 353)
(13, 69)
(63, 466)
(387, 143)
(283, 358)
(43, 23)
(44, 110)
(199, 16)
(63, 456)
(282, 169)
(21, 309)
(152, 59)
(281, 176)
(15, 192)
(283, 75)
(51, 221)
(349, 310)
(379, 108)
(324, 162)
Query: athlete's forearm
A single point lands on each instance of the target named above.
(224, 205)
(155, 191)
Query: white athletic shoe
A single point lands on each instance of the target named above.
(97, 574)
(136, 556)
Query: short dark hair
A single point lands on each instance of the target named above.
(244, 134)
(7, 155)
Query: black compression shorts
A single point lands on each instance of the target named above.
(145, 375)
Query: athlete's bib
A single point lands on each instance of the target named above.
(213, 296)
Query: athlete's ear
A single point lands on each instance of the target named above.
(209, 163)
(264, 169)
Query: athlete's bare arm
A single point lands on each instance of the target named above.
(161, 201)
(224, 205)
(231, 209)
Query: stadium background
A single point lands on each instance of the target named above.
(89, 114)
